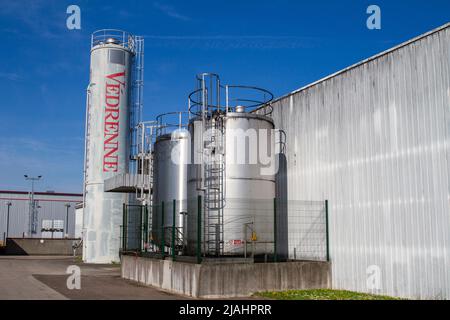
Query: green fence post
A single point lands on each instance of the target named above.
(327, 230)
(199, 228)
(275, 233)
(124, 229)
(173, 229)
(141, 231)
(162, 230)
(145, 227)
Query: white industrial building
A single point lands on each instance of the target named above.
(374, 140)
(53, 217)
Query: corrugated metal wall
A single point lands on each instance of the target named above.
(52, 207)
(374, 141)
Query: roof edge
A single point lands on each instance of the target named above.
(43, 193)
(353, 66)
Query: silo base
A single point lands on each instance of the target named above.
(216, 280)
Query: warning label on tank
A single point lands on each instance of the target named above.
(236, 242)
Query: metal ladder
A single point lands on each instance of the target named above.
(214, 185)
(135, 113)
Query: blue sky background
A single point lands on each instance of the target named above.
(279, 45)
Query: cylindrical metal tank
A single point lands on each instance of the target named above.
(170, 183)
(249, 189)
(107, 143)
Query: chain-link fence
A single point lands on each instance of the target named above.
(263, 230)
(308, 230)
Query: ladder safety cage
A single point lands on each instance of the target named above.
(144, 168)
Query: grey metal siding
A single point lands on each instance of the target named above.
(52, 207)
(374, 141)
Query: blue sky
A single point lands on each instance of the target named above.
(279, 45)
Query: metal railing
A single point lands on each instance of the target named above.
(212, 97)
(260, 230)
(113, 36)
(171, 121)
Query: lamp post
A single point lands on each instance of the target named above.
(67, 205)
(8, 204)
(32, 208)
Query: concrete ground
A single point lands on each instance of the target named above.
(33, 277)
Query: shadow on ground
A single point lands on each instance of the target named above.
(105, 287)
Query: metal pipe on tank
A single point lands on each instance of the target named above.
(85, 145)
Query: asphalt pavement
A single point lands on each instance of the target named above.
(45, 277)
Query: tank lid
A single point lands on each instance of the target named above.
(240, 109)
(180, 134)
(112, 41)
(174, 135)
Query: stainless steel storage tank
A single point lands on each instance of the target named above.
(248, 186)
(170, 180)
(107, 142)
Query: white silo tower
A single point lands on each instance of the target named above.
(108, 141)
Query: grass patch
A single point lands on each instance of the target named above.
(321, 294)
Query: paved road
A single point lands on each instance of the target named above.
(28, 277)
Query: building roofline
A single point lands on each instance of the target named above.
(358, 64)
(43, 193)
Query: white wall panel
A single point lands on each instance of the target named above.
(51, 207)
(374, 141)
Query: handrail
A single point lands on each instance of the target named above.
(248, 104)
(171, 121)
(122, 38)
